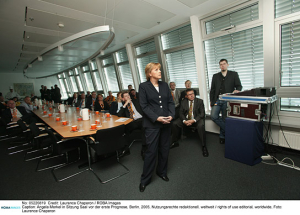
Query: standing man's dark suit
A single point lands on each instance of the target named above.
(199, 116)
(156, 104)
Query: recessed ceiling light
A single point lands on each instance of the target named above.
(61, 25)
(27, 37)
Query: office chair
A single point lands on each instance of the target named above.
(107, 141)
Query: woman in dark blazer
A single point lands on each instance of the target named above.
(159, 109)
(100, 104)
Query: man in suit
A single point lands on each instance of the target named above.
(133, 94)
(176, 96)
(57, 95)
(73, 100)
(82, 102)
(222, 82)
(191, 114)
(88, 94)
(188, 85)
(13, 113)
(132, 109)
(91, 101)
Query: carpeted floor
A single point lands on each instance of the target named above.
(192, 177)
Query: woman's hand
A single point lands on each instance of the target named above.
(164, 120)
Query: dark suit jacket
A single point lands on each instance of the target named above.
(113, 108)
(155, 104)
(232, 82)
(2, 108)
(125, 112)
(98, 106)
(71, 99)
(79, 102)
(183, 93)
(6, 114)
(198, 109)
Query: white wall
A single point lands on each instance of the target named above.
(8, 79)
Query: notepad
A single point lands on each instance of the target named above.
(122, 119)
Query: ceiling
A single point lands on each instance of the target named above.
(29, 26)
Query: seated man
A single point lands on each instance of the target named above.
(116, 105)
(88, 94)
(91, 101)
(82, 102)
(13, 113)
(73, 100)
(188, 85)
(33, 97)
(133, 94)
(27, 104)
(16, 101)
(132, 109)
(191, 113)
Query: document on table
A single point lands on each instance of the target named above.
(122, 119)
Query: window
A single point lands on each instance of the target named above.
(142, 63)
(177, 37)
(244, 52)
(290, 104)
(181, 67)
(290, 65)
(96, 76)
(285, 7)
(79, 84)
(145, 53)
(89, 82)
(111, 78)
(124, 68)
(239, 17)
(73, 81)
(62, 82)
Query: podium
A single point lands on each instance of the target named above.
(244, 140)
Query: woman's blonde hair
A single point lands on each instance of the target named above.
(149, 68)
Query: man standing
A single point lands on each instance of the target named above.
(222, 82)
(57, 95)
(176, 96)
(191, 114)
(11, 94)
(42, 92)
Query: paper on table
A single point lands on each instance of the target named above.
(122, 120)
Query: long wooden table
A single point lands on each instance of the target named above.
(71, 115)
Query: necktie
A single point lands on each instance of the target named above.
(172, 95)
(15, 113)
(93, 102)
(190, 111)
(130, 110)
(102, 106)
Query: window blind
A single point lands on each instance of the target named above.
(89, 82)
(111, 78)
(126, 75)
(181, 67)
(242, 16)
(63, 89)
(122, 56)
(244, 52)
(145, 48)
(97, 80)
(142, 63)
(79, 83)
(73, 82)
(67, 86)
(94, 65)
(85, 68)
(107, 61)
(285, 7)
(290, 54)
(290, 104)
(177, 37)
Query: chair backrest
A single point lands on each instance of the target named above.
(110, 140)
(22, 125)
(34, 129)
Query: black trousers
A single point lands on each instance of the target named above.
(134, 125)
(177, 126)
(158, 143)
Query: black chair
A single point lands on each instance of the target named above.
(60, 149)
(12, 131)
(107, 141)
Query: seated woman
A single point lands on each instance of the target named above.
(100, 104)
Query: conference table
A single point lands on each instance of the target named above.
(71, 115)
